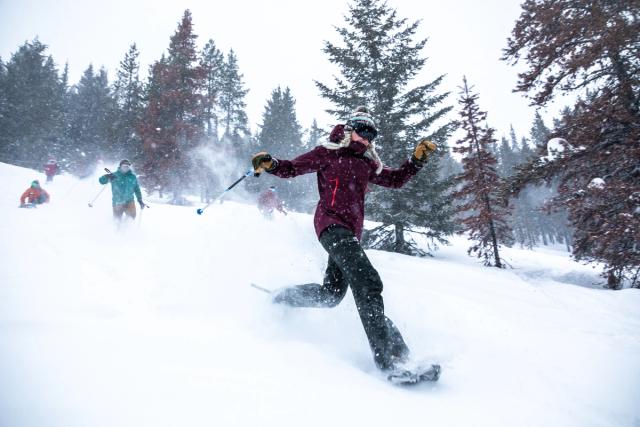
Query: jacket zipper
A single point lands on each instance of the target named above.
(335, 190)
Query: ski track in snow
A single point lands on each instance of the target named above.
(155, 324)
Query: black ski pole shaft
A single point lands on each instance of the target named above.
(200, 211)
(99, 192)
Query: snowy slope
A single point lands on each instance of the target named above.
(155, 325)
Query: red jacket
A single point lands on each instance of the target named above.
(50, 169)
(268, 201)
(34, 195)
(343, 177)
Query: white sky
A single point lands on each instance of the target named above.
(278, 42)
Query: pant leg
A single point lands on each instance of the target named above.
(130, 209)
(329, 294)
(385, 340)
(118, 210)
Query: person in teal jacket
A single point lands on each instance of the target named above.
(124, 185)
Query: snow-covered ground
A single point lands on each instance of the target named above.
(155, 324)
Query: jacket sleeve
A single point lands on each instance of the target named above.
(46, 195)
(136, 189)
(306, 163)
(395, 178)
(24, 196)
(103, 179)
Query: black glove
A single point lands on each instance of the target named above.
(142, 205)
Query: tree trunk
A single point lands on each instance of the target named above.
(492, 230)
(400, 243)
(567, 241)
(613, 281)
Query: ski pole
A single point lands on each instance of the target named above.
(96, 198)
(100, 192)
(200, 211)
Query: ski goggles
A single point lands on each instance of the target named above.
(363, 129)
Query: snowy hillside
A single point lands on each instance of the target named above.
(156, 325)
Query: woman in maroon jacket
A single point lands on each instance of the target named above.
(345, 166)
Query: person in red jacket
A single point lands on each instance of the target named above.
(345, 166)
(51, 169)
(269, 201)
(34, 195)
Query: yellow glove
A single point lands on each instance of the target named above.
(424, 149)
(261, 162)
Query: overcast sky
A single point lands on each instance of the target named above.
(278, 42)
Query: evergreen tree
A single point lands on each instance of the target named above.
(316, 135)
(526, 220)
(539, 132)
(531, 223)
(449, 166)
(554, 223)
(65, 117)
(595, 48)
(91, 113)
(186, 78)
(507, 158)
(155, 129)
(526, 152)
(485, 219)
(30, 106)
(378, 59)
(212, 62)
(232, 104)
(128, 95)
(3, 91)
(173, 125)
(281, 134)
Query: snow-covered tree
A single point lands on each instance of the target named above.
(91, 115)
(31, 98)
(596, 164)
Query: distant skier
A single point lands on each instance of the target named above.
(51, 169)
(345, 166)
(269, 201)
(34, 195)
(124, 185)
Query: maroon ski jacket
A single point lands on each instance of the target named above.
(343, 176)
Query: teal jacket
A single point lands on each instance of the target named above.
(123, 187)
